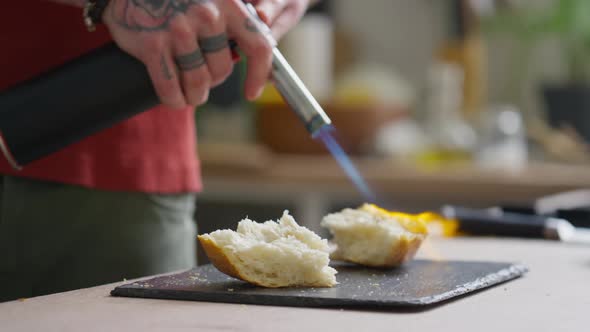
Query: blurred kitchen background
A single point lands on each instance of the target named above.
(473, 102)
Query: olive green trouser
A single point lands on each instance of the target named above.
(56, 237)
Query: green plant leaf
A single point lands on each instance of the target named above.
(569, 20)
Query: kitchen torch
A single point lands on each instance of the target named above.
(102, 88)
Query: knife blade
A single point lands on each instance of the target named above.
(494, 221)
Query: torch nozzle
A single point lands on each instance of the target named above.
(290, 86)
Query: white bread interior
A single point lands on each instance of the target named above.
(369, 236)
(271, 254)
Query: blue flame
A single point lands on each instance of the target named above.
(325, 135)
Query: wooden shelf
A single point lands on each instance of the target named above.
(255, 168)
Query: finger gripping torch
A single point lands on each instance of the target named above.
(102, 88)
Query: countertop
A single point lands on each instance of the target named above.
(553, 296)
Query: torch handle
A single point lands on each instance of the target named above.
(71, 102)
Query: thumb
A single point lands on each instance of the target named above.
(269, 10)
(284, 22)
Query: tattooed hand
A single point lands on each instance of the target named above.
(184, 45)
(151, 14)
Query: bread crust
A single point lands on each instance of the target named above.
(401, 252)
(221, 261)
(218, 258)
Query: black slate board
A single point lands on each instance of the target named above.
(419, 283)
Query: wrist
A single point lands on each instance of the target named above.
(93, 12)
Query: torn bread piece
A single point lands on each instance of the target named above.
(271, 254)
(375, 237)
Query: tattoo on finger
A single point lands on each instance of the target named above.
(214, 43)
(166, 69)
(251, 26)
(190, 61)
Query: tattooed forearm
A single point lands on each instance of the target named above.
(149, 15)
(190, 61)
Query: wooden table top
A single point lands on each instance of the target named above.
(553, 296)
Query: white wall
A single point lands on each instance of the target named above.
(400, 33)
(405, 34)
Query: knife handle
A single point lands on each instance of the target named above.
(496, 222)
